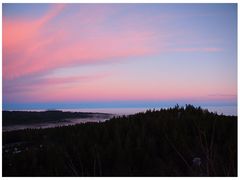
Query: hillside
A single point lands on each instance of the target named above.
(174, 142)
(33, 117)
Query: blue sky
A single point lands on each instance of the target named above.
(118, 55)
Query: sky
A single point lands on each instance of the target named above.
(118, 55)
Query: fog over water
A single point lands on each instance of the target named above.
(226, 110)
(65, 122)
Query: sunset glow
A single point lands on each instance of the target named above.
(96, 53)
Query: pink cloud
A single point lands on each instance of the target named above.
(105, 86)
(37, 46)
(41, 45)
(17, 32)
(209, 49)
(47, 87)
(20, 38)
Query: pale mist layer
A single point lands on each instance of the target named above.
(226, 110)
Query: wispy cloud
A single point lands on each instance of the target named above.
(66, 36)
(222, 95)
(48, 87)
(33, 46)
(30, 84)
(86, 36)
(191, 49)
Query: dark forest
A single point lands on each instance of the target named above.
(179, 141)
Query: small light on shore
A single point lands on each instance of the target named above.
(196, 161)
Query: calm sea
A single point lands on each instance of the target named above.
(226, 110)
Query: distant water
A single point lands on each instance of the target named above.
(226, 110)
(66, 122)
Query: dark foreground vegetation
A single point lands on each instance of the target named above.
(28, 117)
(174, 142)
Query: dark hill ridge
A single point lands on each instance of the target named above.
(33, 117)
(174, 142)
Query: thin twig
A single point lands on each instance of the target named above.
(179, 154)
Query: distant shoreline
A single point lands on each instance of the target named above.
(169, 142)
(220, 109)
(43, 118)
(31, 119)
